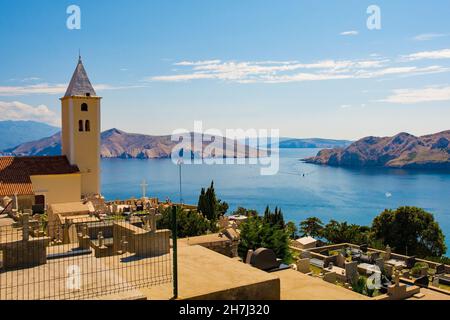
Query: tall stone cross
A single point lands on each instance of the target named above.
(144, 186)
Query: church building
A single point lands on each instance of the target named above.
(37, 182)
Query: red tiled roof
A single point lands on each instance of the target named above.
(15, 172)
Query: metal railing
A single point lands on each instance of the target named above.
(82, 258)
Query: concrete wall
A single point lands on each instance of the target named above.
(58, 188)
(268, 290)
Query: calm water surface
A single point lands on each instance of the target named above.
(353, 195)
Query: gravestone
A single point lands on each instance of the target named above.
(305, 255)
(330, 277)
(440, 269)
(264, 259)
(375, 255)
(351, 271)
(380, 263)
(406, 273)
(303, 266)
(422, 281)
(387, 254)
(363, 248)
(340, 260)
(435, 282)
(389, 270)
(410, 262)
(248, 258)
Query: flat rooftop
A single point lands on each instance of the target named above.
(298, 286)
(205, 274)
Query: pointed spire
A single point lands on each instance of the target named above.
(80, 84)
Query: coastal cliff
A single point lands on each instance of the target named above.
(401, 151)
(119, 144)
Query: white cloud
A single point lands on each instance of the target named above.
(196, 63)
(403, 71)
(346, 106)
(349, 33)
(20, 111)
(429, 36)
(50, 89)
(31, 79)
(291, 71)
(410, 96)
(43, 88)
(436, 54)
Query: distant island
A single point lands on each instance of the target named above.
(116, 143)
(290, 143)
(401, 151)
(30, 138)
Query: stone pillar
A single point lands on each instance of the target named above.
(102, 250)
(153, 220)
(100, 239)
(248, 259)
(84, 239)
(388, 253)
(397, 278)
(25, 227)
(124, 245)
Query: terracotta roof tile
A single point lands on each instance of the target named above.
(15, 172)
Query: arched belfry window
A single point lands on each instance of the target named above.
(87, 126)
(80, 126)
(84, 107)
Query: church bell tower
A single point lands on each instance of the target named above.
(81, 129)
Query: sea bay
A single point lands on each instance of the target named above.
(301, 190)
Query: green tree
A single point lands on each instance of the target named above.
(274, 219)
(209, 205)
(291, 230)
(341, 232)
(410, 231)
(240, 211)
(311, 227)
(190, 223)
(257, 233)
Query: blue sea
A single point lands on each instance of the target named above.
(301, 190)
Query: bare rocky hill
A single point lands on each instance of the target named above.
(119, 144)
(401, 151)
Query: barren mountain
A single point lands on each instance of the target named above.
(119, 144)
(401, 151)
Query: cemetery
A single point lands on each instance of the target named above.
(114, 250)
(97, 249)
(394, 276)
(78, 255)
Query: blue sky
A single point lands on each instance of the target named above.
(308, 68)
